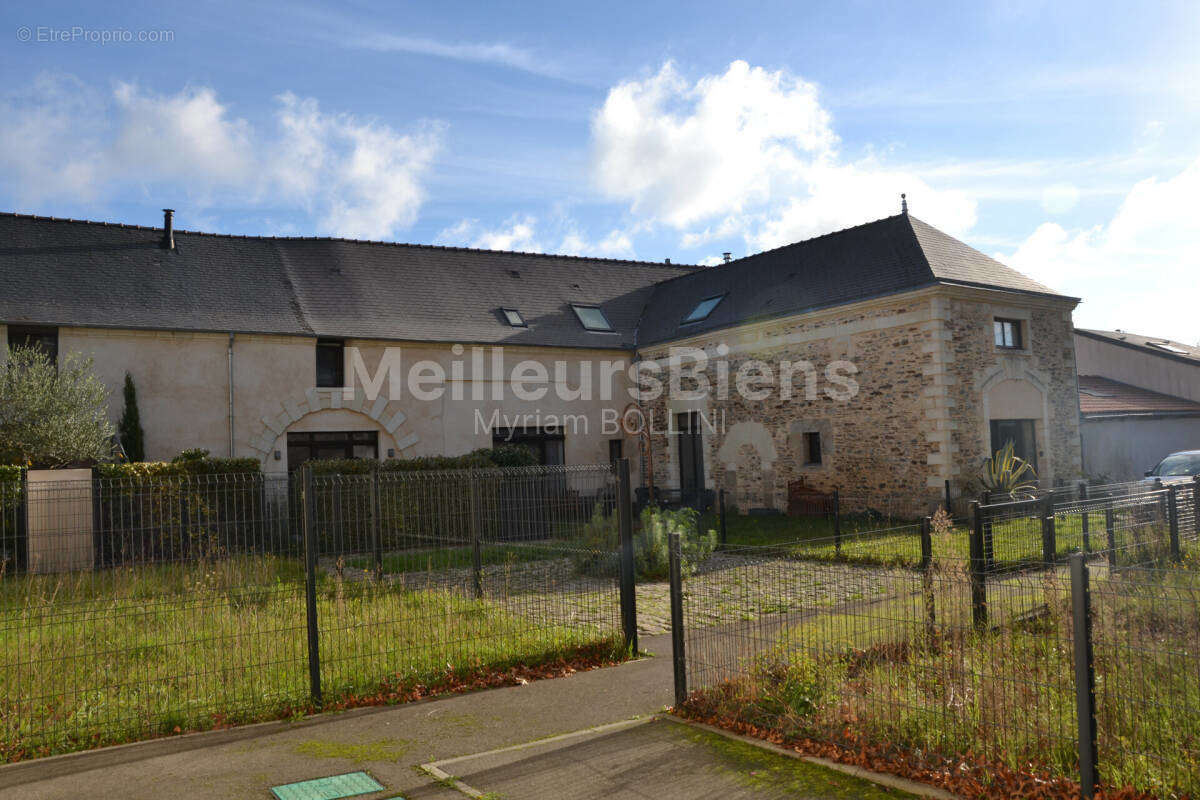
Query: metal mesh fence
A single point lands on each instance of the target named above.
(135, 608)
(967, 661)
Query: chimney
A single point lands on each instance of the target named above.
(168, 240)
(727, 256)
(666, 261)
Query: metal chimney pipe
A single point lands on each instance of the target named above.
(168, 240)
(727, 256)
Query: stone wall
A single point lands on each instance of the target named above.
(926, 366)
(984, 376)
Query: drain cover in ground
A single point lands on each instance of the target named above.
(331, 788)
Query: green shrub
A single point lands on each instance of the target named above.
(484, 458)
(651, 558)
(599, 544)
(650, 553)
(189, 462)
(133, 439)
(52, 414)
(145, 514)
(11, 487)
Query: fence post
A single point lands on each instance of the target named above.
(1173, 522)
(724, 533)
(979, 612)
(987, 539)
(927, 578)
(678, 658)
(948, 510)
(837, 521)
(1085, 674)
(1049, 538)
(1196, 506)
(476, 535)
(310, 585)
(1162, 510)
(1110, 530)
(377, 525)
(1085, 520)
(625, 527)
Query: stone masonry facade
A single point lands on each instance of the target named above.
(928, 377)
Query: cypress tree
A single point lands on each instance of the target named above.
(130, 426)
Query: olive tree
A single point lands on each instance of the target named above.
(52, 416)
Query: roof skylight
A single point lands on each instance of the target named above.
(1170, 348)
(703, 309)
(592, 318)
(514, 317)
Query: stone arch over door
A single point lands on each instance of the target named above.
(1018, 393)
(748, 447)
(378, 415)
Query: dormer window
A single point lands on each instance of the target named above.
(1009, 334)
(592, 318)
(703, 309)
(513, 317)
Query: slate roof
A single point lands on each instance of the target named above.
(1101, 397)
(68, 272)
(79, 273)
(1151, 345)
(891, 255)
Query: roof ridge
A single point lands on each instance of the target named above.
(818, 237)
(782, 247)
(378, 242)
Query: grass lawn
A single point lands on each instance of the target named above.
(880, 674)
(869, 540)
(90, 659)
(461, 557)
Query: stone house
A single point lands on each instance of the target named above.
(288, 348)
(953, 354)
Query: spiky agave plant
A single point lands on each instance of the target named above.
(1009, 473)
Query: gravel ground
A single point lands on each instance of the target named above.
(724, 588)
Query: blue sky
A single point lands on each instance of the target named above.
(1059, 137)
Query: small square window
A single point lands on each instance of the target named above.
(331, 370)
(44, 339)
(514, 317)
(592, 318)
(1008, 334)
(812, 447)
(703, 309)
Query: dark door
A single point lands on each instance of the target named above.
(1020, 433)
(691, 457)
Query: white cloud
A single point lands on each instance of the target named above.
(517, 233)
(748, 152)
(1136, 271)
(850, 194)
(364, 178)
(189, 136)
(521, 232)
(354, 177)
(479, 52)
(1059, 198)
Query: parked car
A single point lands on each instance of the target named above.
(1176, 467)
